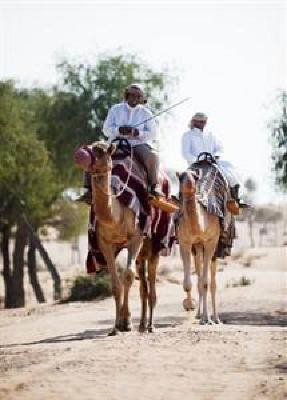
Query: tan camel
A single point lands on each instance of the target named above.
(116, 227)
(198, 234)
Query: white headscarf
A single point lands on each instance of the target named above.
(198, 116)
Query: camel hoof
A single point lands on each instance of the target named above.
(217, 321)
(206, 321)
(188, 305)
(151, 329)
(128, 328)
(142, 328)
(126, 325)
(113, 332)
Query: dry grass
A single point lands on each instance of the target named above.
(242, 281)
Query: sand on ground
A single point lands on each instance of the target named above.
(63, 352)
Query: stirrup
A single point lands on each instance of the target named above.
(243, 205)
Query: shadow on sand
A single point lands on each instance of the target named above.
(278, 318)
(99, 334)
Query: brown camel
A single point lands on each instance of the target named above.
(198, 234)
(116, 227)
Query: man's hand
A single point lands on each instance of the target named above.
(125, 130)
(128, 131)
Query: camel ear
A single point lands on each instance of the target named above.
(112, 148)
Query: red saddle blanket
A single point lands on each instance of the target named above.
(129, 183)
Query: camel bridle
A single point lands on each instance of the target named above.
(104, 172)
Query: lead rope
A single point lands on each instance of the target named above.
(126, 182)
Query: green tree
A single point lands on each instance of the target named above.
(279, 140)
(28, 186)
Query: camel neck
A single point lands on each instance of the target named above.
(102, 199)
(191, 213)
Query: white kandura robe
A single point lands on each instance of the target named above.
(194, 141)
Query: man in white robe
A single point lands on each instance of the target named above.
(197, 140)
(134, 122)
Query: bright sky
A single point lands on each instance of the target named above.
(229, 56)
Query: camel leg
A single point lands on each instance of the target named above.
(143, 294)
(128, 278)
(185, 252)
(208, 252)
(198, 268)
(213, 267)
(117, 289)
(125, 315)
(152, 269)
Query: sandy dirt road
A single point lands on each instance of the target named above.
(63, 352)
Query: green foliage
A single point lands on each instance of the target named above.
(80, 103)
(90, 287)
(27, 177)
(278, 129)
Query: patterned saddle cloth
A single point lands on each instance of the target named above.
(212, 187)
(212, 193)
(129, 184)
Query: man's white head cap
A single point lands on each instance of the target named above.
(136, 86)
(198, 116)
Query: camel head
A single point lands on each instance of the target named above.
(187, 183)
(96, 158)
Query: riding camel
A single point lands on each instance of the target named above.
(198, 234)
(116, 228)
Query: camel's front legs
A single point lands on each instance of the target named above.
(213, 267)
(152, 270)
(185, 252)
(128, 278)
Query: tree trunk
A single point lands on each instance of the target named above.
(43, 253)
(6, 266)
(18, 296)
(32, 272)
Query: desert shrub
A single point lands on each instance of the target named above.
(90, 287)
(243, 281)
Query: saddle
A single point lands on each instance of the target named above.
(123, 152)
(211, 185)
